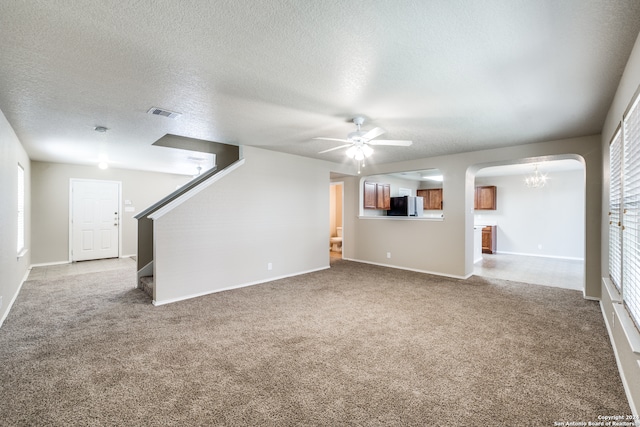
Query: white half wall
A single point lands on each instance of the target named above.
(546, 221)
(273, 210)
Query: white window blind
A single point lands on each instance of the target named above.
(631, 212)
(20, 209)
(615, 195)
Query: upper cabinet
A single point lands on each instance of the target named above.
(431, 198)
(485, 198)
(377, 196)
(378, 193)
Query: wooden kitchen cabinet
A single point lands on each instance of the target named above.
(485, 198)
(489, 239)
(431, 198)
(377, 196)
(370, 198)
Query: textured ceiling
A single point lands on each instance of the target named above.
(452, 76)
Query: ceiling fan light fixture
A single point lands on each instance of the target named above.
(359, 152)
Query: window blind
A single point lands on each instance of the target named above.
(20, 209)
(631, 212)
(615, 195)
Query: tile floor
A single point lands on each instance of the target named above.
(559, 273)
(80, 267)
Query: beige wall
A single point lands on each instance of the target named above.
(628, 361)
(445, 247)
(273, 209)
(50, 200)
(13, 270)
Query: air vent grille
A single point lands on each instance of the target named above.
(162, 112)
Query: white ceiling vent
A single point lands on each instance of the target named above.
(166, 113)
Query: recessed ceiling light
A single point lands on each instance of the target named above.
(100, 129)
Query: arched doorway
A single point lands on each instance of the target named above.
(536, 233)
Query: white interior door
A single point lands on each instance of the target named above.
(95, 219)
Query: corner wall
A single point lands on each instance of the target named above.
(272, 210)
(13, 270)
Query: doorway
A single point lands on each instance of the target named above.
(336, 232)
(94, 220)
(540, 229)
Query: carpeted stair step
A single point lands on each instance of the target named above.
(146, 284)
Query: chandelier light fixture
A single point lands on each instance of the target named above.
(536, 180)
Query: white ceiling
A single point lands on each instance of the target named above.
(452, 76)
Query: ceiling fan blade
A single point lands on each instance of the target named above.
(335, 148)
(396, 142)
(373, 133)
(331, 139)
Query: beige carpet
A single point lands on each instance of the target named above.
(353, 345)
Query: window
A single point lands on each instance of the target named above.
(631, 211)
(20, 209)
(615, 224)
(624, 210)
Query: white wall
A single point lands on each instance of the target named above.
(628, 361)
(273, 209)
(13, 270)
(546, 221)
(50, 219)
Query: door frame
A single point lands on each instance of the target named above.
(70, 224)
(340, 183)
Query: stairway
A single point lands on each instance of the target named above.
(146, 284)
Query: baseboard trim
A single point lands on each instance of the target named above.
(46, 264)
(569, 258)
(452, 276)
(229, 288)
(15, 296)
(625, 383)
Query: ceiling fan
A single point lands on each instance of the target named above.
(359, 142)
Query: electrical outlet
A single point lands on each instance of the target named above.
(269, 266)
(388, 254)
